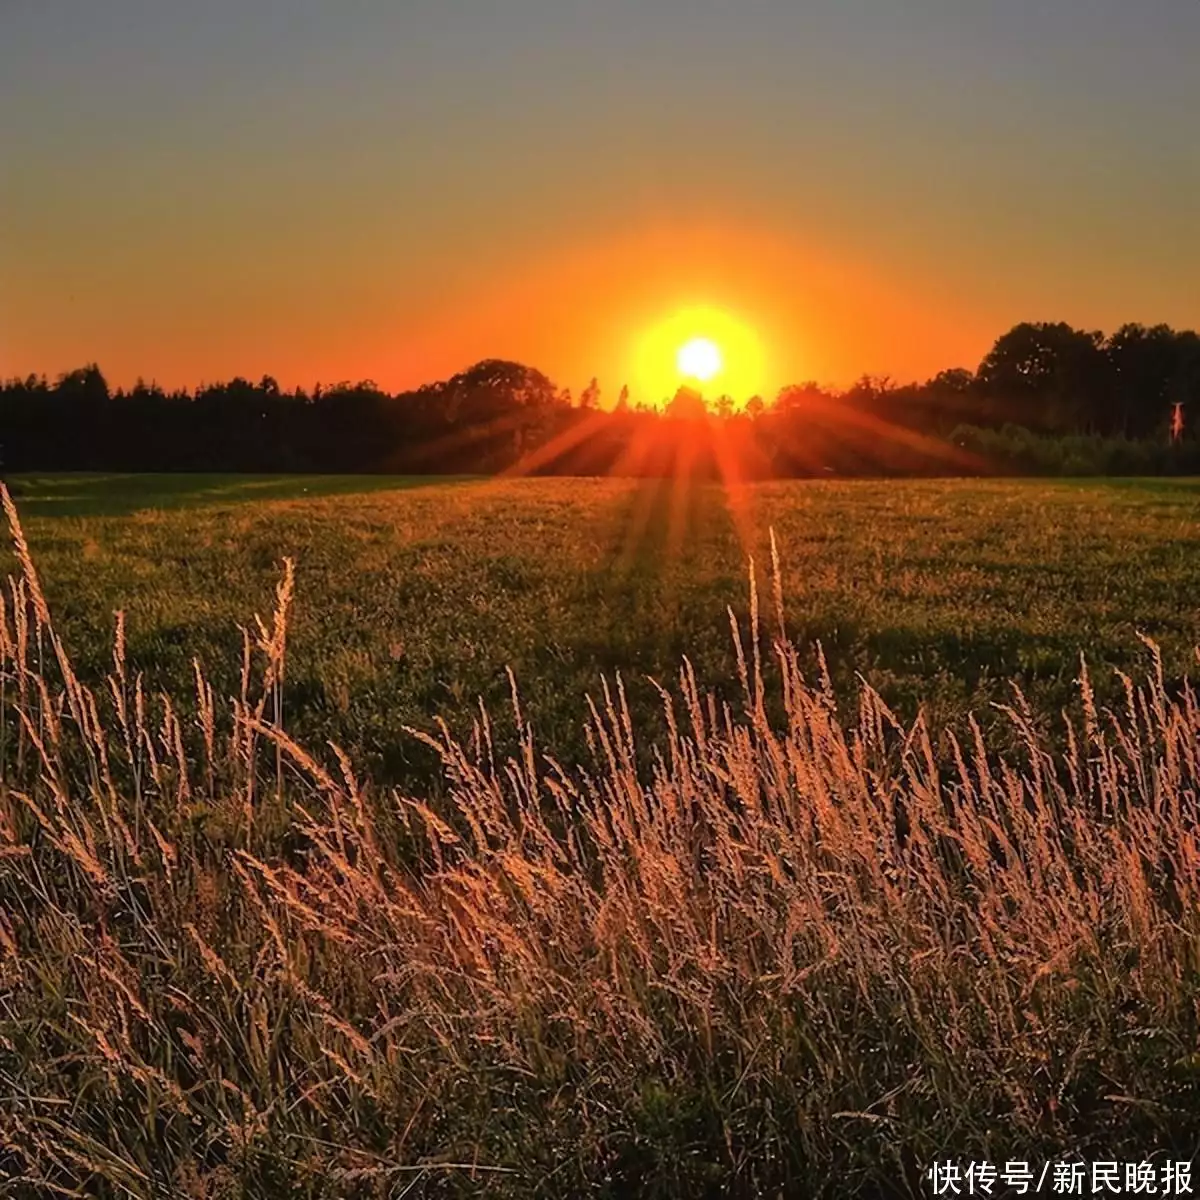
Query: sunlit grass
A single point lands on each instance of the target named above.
(412, 601)
(789, 947)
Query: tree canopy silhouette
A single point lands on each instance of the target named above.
(1048, 379)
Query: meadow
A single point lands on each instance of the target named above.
(415, 596)
(800, 923)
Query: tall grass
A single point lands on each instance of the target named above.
(800, 957)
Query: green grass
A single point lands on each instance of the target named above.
(780, 947)
(414, 595)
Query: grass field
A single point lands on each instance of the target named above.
(770, 944)
(414, 595)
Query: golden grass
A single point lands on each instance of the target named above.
(808, 956)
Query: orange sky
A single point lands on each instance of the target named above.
(585, 310)
(286, 187)
(576, 309)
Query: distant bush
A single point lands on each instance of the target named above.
(1013, 449)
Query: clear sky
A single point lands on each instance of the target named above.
(358, 188)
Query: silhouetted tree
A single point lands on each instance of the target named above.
(1146, 365)
(87, 384)
(1053, 375)
(1049, 378)
(686, 405)
(957, 381)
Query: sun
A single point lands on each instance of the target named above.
(699, 359)
(703, 346)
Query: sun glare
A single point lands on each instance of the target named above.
(699, 359)
(704, 346)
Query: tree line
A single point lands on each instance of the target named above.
(1129, 401)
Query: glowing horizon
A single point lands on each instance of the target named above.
(704, 347)
(260, 187)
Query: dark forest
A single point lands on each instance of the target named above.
(1047, 399)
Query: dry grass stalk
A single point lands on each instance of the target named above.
(782, 925)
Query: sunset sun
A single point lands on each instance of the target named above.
(707, 346)
(699, 359)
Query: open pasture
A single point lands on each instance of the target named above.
(773, 949)
(414, 595)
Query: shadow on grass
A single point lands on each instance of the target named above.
(115, 495)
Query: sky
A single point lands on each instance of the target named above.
(328, 191)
